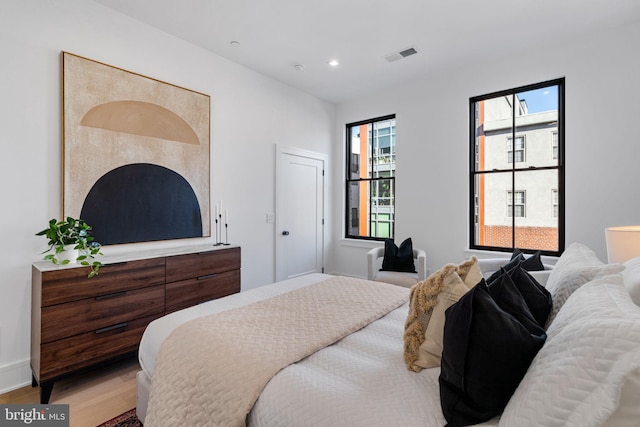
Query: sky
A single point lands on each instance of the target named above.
(538, 100)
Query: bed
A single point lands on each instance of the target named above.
(362, 380)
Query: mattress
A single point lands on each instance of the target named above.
(359, 381)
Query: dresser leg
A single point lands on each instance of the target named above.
(45, 391)
(34, 382)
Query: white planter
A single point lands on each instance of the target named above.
(68, 253)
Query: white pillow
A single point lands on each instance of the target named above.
(586, 373)
(576, 266)
(631, 275)
(628, 412)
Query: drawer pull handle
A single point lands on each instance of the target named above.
(113, 295)
(208, 276)
(111, 328)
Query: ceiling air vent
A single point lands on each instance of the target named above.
(401, 54)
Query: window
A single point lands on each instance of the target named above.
(518, 207)
(524, 117)
(518, 154)
(370, 183)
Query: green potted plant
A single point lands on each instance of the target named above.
(72, 234)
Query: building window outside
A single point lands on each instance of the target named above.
(516, 208)
(370, 183)
(355, 163)
(524, 117)
(354, 217)
(518, 154)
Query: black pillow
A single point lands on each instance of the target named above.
(513, 262)
(516, 286)
(537, 297)
(516, 252)
(489, 343)
(532, 263)
(398, 258)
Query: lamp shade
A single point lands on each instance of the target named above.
(623, 243)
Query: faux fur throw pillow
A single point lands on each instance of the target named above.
(424, 327)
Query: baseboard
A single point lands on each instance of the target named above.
(336, 273)
(15, 376)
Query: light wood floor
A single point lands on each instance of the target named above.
(93, 397)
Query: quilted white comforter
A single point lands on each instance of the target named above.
(211, 370)
(359, 381)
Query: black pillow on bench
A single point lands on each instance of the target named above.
(398, 258)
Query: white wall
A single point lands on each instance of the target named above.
(249, 115)
(602, 144)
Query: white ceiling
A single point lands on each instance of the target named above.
(276, 35)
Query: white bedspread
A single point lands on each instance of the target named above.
(360, 381)
(210, 371)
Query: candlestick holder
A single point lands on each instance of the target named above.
(218, 232)
(226, 234)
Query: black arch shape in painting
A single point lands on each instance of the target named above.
(141, 202)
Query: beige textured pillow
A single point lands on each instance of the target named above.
(470, 272)
(429, 299)
(430, 351)
(468, 275)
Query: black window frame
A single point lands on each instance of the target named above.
(349, 180)
(554, 145)
(513, 169)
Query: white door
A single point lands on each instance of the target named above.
(299, 213)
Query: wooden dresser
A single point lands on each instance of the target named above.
(78, 323)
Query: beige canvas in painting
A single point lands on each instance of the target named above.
(135, 154)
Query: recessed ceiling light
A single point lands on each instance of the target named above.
(234, 43)
(334, 63)
(298, 67)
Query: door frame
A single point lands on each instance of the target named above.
(298, 152)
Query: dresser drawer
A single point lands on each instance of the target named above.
(65, 320)
(183, 267)
(72, 284)
(194, 291)
(70, 354)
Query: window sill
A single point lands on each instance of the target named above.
(356, 243)
(551, 260)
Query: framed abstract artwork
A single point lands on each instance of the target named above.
(136, 163)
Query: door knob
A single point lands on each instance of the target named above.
(285, 233)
